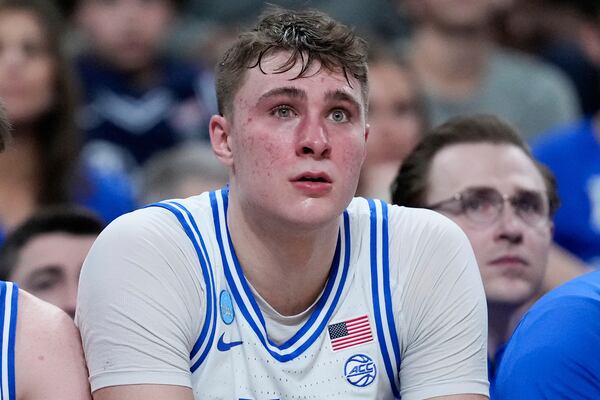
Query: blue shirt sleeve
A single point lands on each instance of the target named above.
(554, 353)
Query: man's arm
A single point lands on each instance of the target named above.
(144, 392)
(442, 312)
(49, 361)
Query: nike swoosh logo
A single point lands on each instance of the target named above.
(223, 346)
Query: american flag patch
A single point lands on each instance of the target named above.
(350, 333)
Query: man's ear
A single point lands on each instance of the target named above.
(220, 139)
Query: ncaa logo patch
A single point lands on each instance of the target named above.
(360, 370)
(226, 307)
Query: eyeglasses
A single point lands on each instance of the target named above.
(484, 205)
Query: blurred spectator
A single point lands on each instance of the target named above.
(45, 253)
(182, 172)
(396, 119)
(41, 166)
(463, 73)
(138, 100)
(480, 173)
(40, 354)
(572, 152)
(562, 32)
(367, 16)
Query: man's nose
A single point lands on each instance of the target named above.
(510, 225)
(313, 140)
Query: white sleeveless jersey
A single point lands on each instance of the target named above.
(350, 344)
(348, 348)
(9, 293)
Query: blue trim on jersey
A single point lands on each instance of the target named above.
(319, 307)
(386, 285)
(14, 308)
(14, 305)
(3, 289)
(11, 308)
(376, 303)
(212, 291)
(208, 280)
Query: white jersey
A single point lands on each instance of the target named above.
(163, 300)
(9, 296)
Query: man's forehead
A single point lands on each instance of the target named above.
(495, 163)
(268, 77)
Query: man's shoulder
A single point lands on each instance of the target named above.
(154, 219)
(406, 223)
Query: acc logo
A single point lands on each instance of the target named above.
(360, 370)
(226, 305)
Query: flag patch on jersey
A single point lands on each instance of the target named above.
(350, 333)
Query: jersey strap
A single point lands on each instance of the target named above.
(207, 334)
(382, 298)
(312, 329)
(9, 294)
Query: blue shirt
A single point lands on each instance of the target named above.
(573, 154)
(555, 351)
(125, 123)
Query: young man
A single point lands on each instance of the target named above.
(280, 285)
(479, 173)
(41, 354)
(44, 255)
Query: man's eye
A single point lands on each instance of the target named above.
(339, 115)
(531, 206)
(283, 112)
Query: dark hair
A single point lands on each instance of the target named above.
(309, 36)
(57, 137)
(4, 129)
(71, 220)
(411, 185)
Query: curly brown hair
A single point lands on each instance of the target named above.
(308, 36)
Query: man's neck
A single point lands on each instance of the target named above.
(288, 268)
(449, 65)
(502, 321)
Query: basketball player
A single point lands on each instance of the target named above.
(40, 355)
(280, 285)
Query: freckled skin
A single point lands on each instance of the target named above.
(268, 151)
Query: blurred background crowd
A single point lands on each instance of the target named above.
(109, 100)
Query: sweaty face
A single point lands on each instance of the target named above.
(395, 123)
(127, 33)
(49, 266)
(511, 254)
(297, 144)
(26, 67)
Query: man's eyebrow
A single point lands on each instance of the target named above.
(340, 95)
(288, 91)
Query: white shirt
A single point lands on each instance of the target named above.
(162, 300)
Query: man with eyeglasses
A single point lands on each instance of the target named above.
(478, 172)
